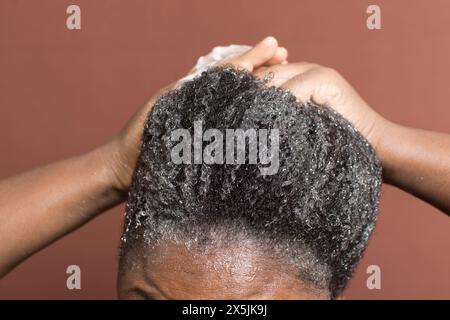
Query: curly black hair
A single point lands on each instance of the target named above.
(318, 210)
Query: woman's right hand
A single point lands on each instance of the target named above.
(123, 150)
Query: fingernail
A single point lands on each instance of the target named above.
(281, 50)
(269, 40)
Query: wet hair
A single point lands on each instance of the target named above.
(317, 211)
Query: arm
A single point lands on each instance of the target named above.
(418, 162)
(40, 206)
(414, 160)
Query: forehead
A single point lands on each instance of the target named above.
(238, 271)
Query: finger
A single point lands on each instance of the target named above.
(312, 85)
(280, 56)
(282, 73)
(256, 56)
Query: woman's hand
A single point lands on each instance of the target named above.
(326, 87)
(122, 152)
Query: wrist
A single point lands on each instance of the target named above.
(388, 144)
(110, 164)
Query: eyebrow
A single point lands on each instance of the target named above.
(142, 293)
(147, 290)
(152, 286)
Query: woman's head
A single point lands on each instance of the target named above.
(227, 230)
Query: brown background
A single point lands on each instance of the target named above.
(64, 92)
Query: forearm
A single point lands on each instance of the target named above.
(38, 207)
(418, 162)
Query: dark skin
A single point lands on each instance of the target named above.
(237, 271)
(43, 205)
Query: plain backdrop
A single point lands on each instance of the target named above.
(65, 92)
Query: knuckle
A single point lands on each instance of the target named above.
(329, 71)
(331, 92)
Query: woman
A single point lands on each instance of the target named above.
(39, 207)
